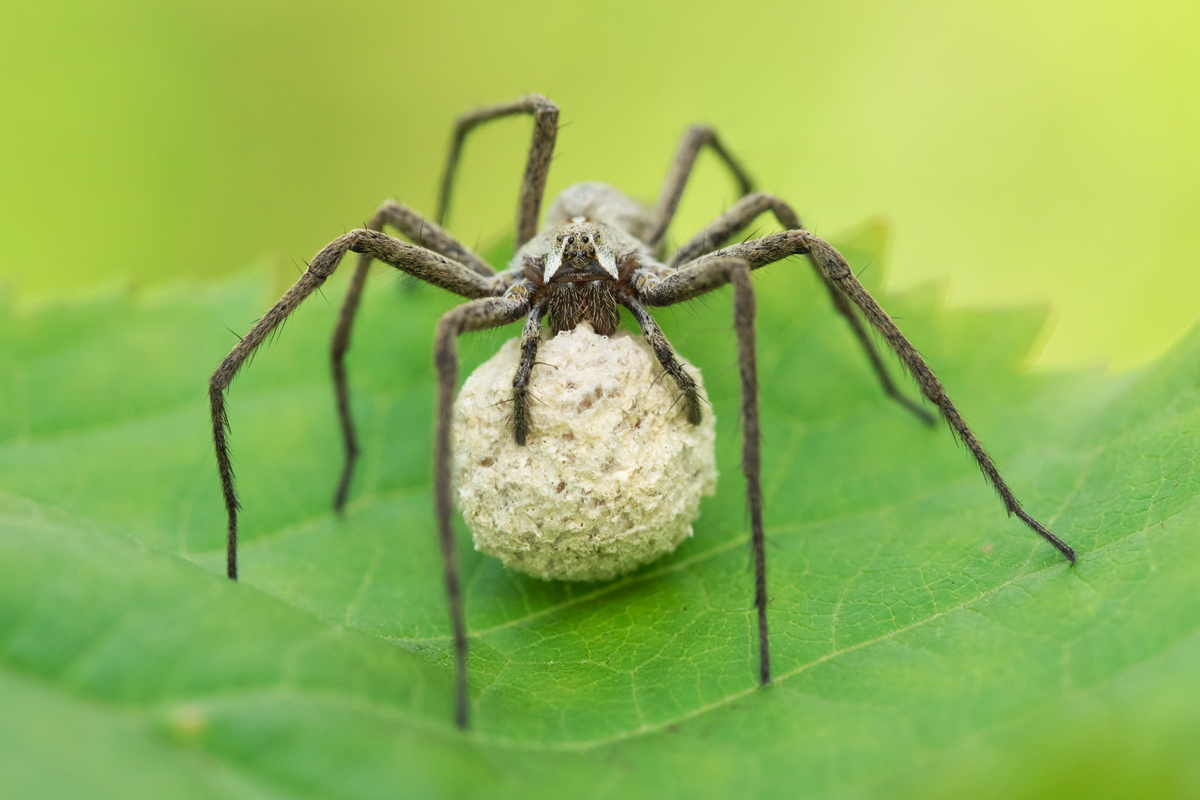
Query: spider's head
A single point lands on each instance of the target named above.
(580, 251)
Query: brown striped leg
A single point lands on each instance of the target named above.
(424, 233)
(741, 214)
(490, 312)
(735, 218)
(693, 279)
(694, 139)
(537, 165)
(416, 261)
(705, 277)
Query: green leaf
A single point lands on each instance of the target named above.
(923, 643)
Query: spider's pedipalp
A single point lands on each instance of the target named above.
(689, 392)
(531, 337)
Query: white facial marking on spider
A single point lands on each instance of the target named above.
(597, 252)
(576, 253)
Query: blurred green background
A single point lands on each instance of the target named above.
(1025, 151)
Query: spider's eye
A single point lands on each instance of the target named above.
(570, 240)
(560, 240)
(583, 238)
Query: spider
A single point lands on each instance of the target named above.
(599, 251)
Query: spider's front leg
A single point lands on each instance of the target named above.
(836, 271)
(741, 214)
(416, 261)
(491, 312)
(424, 233)
(685, 285)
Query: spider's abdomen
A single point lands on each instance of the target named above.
(599, 202)
(569, 304)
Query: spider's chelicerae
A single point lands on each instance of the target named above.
(598, 251)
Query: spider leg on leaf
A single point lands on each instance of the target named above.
(489, 312)
(838, 275)
(420, 263)
(424, 233)
(430, 234)
(685, 285)
(717, 233)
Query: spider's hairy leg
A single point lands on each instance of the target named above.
(694, 140)
(416, 261)
(839, 274)
(685, 285)
(718, 232)
(537, 165)
(531, 337)
(424, 233)
(843, 307)
(421, 230)
(777, 246)
(491, 312)
(741, 214)
(666, 356)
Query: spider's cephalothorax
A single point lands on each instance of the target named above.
(582, 263)
(598, 251)
(575, 274)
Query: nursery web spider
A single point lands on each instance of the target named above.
(598, 251)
